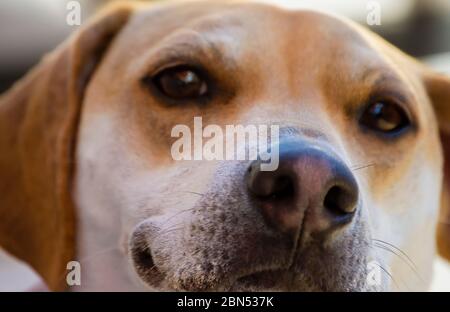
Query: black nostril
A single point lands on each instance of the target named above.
(270, 185)
(309, 180)
(283, 188)
(340, 201)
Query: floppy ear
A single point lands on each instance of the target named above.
(38, 125)
(438, 87)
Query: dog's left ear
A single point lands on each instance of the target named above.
(438, 88)
(38, 127)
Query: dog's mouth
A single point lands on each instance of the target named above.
(262, 280)
(175, 269)
(256, 279)
(173, 263)
(253, 280)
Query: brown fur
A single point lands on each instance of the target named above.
(269, 73)
(38, 122)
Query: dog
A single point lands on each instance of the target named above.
(360, 188)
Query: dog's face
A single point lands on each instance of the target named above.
(358, 185)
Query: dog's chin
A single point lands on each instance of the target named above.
(274, 280)
(268, 280)
(166, 267)
(154, 279)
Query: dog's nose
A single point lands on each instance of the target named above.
(311, 186)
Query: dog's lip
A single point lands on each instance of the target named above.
(267, 277)
(225, 274)
(264, 279)
(252, 278)
(259, 280)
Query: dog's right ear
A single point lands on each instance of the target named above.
(438, 89)
(38, 126)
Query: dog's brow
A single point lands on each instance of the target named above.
(382, 78)
(193, 46)
(379, 75)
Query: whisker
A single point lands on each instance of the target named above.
(96, 254)
(355, 168)
(396, 248)
(393, 252)
(190, 192)
(390, 275)
(183, 210)
(387, 249)
(177, 214)
(170, 229)
(385, 270)
(410, 265)
(142, 204)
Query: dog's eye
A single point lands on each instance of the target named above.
(385, 117)
(181, 83)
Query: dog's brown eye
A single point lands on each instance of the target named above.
(181, 83)
(384, 117)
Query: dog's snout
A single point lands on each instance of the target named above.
(311, 185)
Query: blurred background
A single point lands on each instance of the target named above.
(30, 28)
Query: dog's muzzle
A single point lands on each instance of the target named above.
(257, 230)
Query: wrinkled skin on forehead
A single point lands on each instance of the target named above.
(298, 69)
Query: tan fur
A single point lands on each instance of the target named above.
(301, 69)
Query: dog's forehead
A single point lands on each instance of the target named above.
(249, 25)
